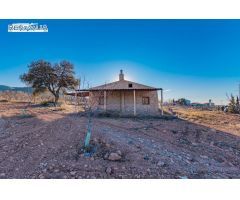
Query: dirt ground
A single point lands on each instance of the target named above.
(45, 142)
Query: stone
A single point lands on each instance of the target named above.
(203, 156)
(73, 173)
(106, 156)
(160, 163)
(41, 176)
(114, 157)
(56, 170)
(119, 152)
(85, 166)
(213, 130)
(2, 174)
(109, 170)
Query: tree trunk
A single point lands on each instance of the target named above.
(56, 99)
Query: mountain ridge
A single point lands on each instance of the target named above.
(16, 89)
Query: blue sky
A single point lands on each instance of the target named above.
(196, 59)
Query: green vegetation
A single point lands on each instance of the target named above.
(43, 76)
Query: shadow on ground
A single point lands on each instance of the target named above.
(46, 145)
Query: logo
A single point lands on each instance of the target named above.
(27, 27)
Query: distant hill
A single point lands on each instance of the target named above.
(18, 89)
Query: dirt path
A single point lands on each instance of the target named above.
(46, 145)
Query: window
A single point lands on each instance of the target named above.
(101, 100)
(145, 101)
(130, 85)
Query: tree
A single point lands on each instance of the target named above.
(43, 76)
(237, 105)
(182, 101)
(232, 105)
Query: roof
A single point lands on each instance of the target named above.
(123, 85)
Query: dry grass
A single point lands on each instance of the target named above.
(212, 119)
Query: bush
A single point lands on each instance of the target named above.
(47, 103)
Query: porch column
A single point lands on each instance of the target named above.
(134, 102)
(122, 101)
(161, 102)
(105, 100)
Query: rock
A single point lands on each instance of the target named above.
(85, 166)
(213, 130)
(114, 157)
(106, 156)
(138, 176)
(73, 173)
(65, 177)
(203, 156)
(92, 158)
(2, 174)
(5, 147)
(56, 170)
(119, 152)
(160, 163)
(109, 170)
(41, 176)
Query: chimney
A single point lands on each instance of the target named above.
(121, 75)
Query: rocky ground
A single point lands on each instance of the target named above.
(46, 142)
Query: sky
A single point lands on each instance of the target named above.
(195, 59)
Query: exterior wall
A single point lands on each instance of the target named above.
(122, 102)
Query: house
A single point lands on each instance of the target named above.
(125, 97)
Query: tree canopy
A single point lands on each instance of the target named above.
(42, 76)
